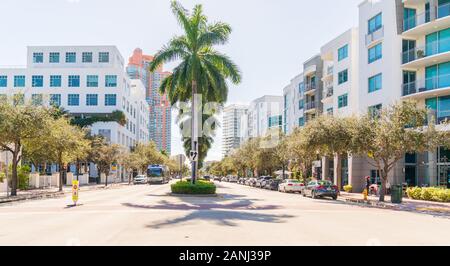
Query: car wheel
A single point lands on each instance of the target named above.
(335, 198)
(303, 193)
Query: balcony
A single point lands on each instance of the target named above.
(431, 54)
(329, 73)
(422, 24)
(430, 87)
(328, 95)
(310, 88)
(311, 107)
(375, 36)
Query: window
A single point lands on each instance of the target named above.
(110, 100)
(55, 81)
(74, 100)
(437, 76)
(74, 81)
(343, 101)
(301, 121)
(36, 99)
(409, 18)
(92, 81)
(301, 104)
(375, 53)
(111, 81)
(38, 58)
(37, 81)
(55, 99)
(3, 81)
(375, 23)
(343, 77)
(375, 111)
(71, 57)
(375, 83)
(92, 100)
(438, 42)
(19, 81)
(87, 57)
(103, 57)
(19, 99)
(54, 58)
(343, 53)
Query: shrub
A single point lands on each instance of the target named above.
(348, 188)
(429, 194)
(200, 188)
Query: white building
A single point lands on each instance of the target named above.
(231, 125)
(293, 104)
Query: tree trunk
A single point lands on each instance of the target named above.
(61, 175)
(106, 179)
(193, 125)
(384, 177)
(14, 178)
(338, 174)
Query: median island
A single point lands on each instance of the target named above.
(201, 187)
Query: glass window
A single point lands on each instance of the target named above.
(103, 57)
(92, 100)
(110, 100)
(74, 100)
(301, 104)
(375, 23)
(71, 57)
(38, 58)
(444, 108)
(375, 111)
(301, 121)
(343, 53)
(443, 8)
(3, 81)
(54, 58)
(111, 81)
(74, 81)
(55, 99)
(343, 101)
(37, 81)
(375, 83)
(19, 81)
(330, 111)
(438, 42)
(55, 81)
(92, 81)
(36, 99)
(87, 57)
(437, 76)
(343, 76)
(19, 99)
(409, 19)
(375, 53)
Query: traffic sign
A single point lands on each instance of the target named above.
(193, 156)
(75, 190)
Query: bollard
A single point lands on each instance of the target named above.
(365, 194)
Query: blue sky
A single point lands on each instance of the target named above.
(270, 39)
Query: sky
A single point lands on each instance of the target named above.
(270, 39)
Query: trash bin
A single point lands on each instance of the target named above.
(396, 194)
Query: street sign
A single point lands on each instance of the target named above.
(193, 156)
(75, 190)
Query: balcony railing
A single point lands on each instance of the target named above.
(310, 86)
(437, 117)
(311, 105)
(425, 17)
(375, 36)
(328, 92)
(330, 70)
(430, 49)
(429, 84)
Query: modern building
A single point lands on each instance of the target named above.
(263, 114)
(87, 81)
(231, 125)
(294, 103)
(312, 78)
(160, 108)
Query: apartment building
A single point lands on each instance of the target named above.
(312, 78)
(160, 108)
(264, 113)
(231, 125)
(293, 97)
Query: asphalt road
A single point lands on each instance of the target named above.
(146, 215)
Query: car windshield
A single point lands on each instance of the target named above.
(293, 181)
(324, 183)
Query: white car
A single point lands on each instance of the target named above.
(291, 186)
(140, 179)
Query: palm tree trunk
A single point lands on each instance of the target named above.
(193, 129)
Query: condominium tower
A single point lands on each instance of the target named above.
(232, 116)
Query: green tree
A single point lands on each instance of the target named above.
(20, 122)
(202, 69)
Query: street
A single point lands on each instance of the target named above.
(147, 215)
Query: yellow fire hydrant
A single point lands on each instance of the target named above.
(365, 194)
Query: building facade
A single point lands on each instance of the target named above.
(160, 109)
(293, 98)
(231, 125)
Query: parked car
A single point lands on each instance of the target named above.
(233, 179)
(224, 179)
(216, 178)
(140, 179)
(261, 182)
(320, 189)
(291, 186)
(207, 178)
(273, 184)
(266, 181)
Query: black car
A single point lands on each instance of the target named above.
(320, 189)
(207, 178)
(272, 184)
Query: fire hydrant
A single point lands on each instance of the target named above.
(365, 194)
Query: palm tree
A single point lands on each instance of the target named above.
(202, 69)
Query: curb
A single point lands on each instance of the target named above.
(33, 197)
(371, 203)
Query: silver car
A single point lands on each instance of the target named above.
(140, 179)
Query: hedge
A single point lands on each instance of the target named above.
(429, 194)
(200, 188)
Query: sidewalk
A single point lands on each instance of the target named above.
(54, 192)
(417, 206)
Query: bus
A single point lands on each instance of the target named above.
(158, 174)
